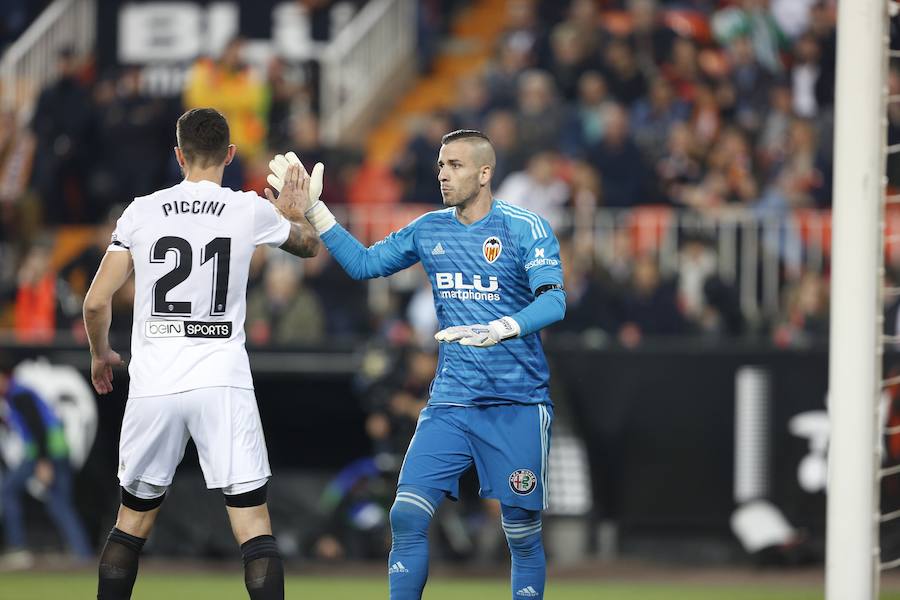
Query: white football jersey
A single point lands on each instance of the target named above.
(191, 245)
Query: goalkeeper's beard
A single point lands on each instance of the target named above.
(457, 198)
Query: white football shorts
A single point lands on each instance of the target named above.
(223, 422)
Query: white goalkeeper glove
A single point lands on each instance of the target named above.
(480, 336)
(317, 214)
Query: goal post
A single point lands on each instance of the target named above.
(852, 555)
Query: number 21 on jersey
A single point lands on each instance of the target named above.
(218, 251)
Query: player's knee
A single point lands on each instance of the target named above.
(140, 502)
(140, 496)
(247, 495)
(523, 530)
(412, 511)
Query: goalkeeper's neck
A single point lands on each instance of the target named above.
(475, 208)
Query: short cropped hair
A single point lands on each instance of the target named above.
(484, 149)
(203, 137)
(464, 134)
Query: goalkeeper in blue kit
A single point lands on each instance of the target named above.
(497, 281)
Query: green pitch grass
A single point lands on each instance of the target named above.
(155, 586)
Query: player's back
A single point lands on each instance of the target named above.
(191, 245)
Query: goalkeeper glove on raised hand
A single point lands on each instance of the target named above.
(480, 336)
(317, 213)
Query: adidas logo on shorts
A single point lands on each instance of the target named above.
(397, 567)
(528, 592)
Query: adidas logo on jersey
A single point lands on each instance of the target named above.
(438, 250)
(528, 592)
(397, 567)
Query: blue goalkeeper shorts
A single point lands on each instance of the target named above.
(508, 443)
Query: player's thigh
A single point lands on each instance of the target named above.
(225, 426)
(439, 452)
(511, 445)
(153, 439)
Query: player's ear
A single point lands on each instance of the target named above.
(229, 156)
(485, 177)
(179, 156)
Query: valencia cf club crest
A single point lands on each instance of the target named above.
(492, 248)
(522, 482)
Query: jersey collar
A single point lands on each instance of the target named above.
(479, 221)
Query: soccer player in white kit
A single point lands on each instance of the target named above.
(190, 247)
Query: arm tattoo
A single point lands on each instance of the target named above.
(302, 241)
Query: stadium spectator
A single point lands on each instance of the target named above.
(122, 169)
(587, 120)
(60, 125)
(283, 311)
(653, 117)
(569, 60)
(682, 69)
(500, 126)
(650, 306)
(626, 179)
(472, 103)
(679, 168)
(650, 39)
(752, 18)
(35, 313)
(626, 82)
(502, 76)
(708, 303)
(289, 96)
(228, 85)
(592, 304)
(416, 166)
(751, 84)
(583, 18)
(343, 300)
(804, 75)
(540, 116)
(46, 465)
(805, 318)
(537, 188)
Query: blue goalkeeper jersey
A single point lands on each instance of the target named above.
(479, 272)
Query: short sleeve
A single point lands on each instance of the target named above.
(540, 254)
(121, 238)
(269, 226)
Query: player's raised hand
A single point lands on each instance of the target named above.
(101, 370)
(278, 167)
(316, 212)
(293, 201)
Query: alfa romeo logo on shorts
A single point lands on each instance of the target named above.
(522, 482)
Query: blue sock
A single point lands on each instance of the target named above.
(408, 563)
(529, 566)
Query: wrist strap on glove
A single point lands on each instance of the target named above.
(320, 217)
(504, 328)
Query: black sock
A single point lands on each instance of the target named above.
(119, 565)
(263, 571)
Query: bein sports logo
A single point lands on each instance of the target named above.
(190, 329)
(454, 286)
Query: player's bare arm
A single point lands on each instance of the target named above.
(114, 271)
(302, 241)
(293, 201)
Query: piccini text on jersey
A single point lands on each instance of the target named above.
(195, 207)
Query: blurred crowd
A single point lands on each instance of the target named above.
(708, 108)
